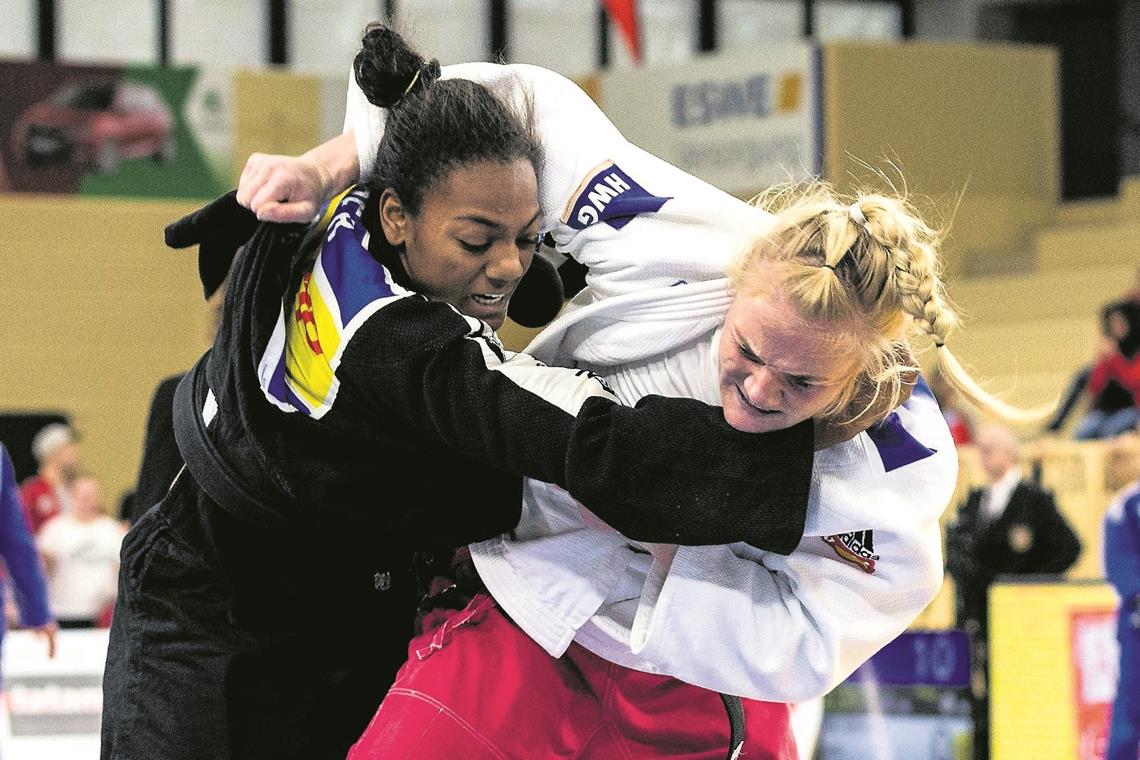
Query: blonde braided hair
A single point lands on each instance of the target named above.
(869, 266)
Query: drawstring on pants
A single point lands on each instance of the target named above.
(735, 710)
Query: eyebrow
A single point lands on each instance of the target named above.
(794, 375)
(492, 223)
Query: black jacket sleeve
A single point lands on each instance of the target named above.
(1058, 546)
(668, 470)
(219, 229)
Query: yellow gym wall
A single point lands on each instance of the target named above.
(102, 312)
(967, 124)
(275, 112)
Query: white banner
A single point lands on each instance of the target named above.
(52, 708)
(739, 122)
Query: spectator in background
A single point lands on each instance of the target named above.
(1114, 380)
(1009, 527)
(81, 552)
(44, 495)
(1122, 569)
(1119, 338)
(161, 460)
(960, 424)
(19, 554)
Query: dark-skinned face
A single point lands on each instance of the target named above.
(473, 238)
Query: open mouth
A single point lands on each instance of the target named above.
(757, 409)
(488, 299)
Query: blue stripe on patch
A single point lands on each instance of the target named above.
(356, 278)
(897, 447)
(295, 400)
(613, 197)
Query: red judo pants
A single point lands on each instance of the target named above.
(476, 687)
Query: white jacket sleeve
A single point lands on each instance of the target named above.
(367, 123)
(785, 629)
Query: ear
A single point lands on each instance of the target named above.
(393, 217)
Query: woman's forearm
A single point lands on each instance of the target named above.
(336, 162)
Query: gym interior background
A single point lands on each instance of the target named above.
(1017, 124)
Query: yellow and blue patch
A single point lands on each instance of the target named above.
(341, 288)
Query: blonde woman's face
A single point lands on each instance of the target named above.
(776, 369)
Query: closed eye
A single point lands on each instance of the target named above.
(474, 247)
(747, 354)
(798, 381)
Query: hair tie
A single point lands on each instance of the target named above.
(411, 84)
(831, 267)
(939, 345)
(857, 216)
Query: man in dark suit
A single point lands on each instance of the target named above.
(1009, 527)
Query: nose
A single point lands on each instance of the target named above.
(505, 264)
(762, 387)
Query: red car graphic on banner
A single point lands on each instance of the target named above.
(95, 124)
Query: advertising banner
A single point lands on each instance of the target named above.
(739, 122)
(1052, 665)
(105, 130)
(52, 707)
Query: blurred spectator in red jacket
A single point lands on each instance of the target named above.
(1114, 380)
(44, 495)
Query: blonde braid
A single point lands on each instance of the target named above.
(920, 289)
(921, 294)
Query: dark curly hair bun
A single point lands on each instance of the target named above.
(386, 67)
(435, 125)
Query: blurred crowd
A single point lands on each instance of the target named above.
(1107, 389)
(76, 540)
(1011, 526)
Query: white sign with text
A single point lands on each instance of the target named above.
(51, 707)
(739, 122)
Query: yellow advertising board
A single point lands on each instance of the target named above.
(1052, 669)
